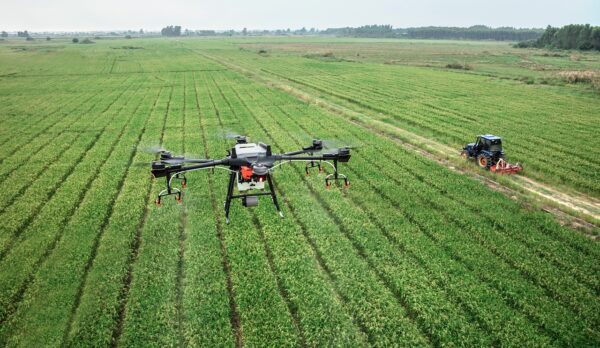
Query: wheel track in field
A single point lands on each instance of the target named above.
(61, 180)
(283, 292)
(183, 222)
(234, 316)
(511, 303)
(571, 204)
(531, 248)
(42, 131)
(418, 121)
(394, 241)
(135, 246)
(322, 265)
(358, 248)
(19, 295)
(40, 113)
(473, 317)
(477, 208)
(328, 274)
(52, 124)
(105, 223)
(42, 170)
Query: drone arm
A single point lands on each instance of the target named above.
(160, 170)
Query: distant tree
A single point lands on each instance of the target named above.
(87, 41)
(245, 31)
(141, 31)
(29, 38)
(595, 38)
(573, 36)
(75, 40)
(171, 31)
(23, 33)
(4, 34)
(48, 38)
(128, 36)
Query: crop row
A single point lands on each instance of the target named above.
(29, 247)
(74, 250)
(414, 117)
(445, 114)
(388, 174)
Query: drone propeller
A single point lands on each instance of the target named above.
(153, 149)
(332, 146)
(230, 135)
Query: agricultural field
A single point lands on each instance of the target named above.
(411, 254)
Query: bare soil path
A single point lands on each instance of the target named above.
(575, 209)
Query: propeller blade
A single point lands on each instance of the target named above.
(335, 145)
(153, 149)
(230, 135)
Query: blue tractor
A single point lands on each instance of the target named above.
(487, 151)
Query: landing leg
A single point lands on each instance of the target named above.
(232, 177)
(273, 195)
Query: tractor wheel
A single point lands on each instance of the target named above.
(484, 161)
(465, 155)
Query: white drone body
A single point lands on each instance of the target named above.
(247, 180)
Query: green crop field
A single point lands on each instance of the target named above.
(413, 253)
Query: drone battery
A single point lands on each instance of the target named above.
(250, 201)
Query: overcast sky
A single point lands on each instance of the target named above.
(83, 15)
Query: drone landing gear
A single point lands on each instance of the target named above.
(313, 164)
(250, 199)
(172, 191)
(336, 176)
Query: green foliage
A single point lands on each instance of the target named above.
(410, 254)
(573, 36)
(171, 31)
(75, 40)
(477, 32)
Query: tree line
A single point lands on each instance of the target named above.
(569, 37)
(171, 30)
(477, 32)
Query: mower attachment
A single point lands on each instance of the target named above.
(503, 167)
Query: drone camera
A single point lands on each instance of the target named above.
(250, 201)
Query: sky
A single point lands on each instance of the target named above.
(85, 15)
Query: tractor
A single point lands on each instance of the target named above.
(487, 151)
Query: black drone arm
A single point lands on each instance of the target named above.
(159, 169)
(343, 155)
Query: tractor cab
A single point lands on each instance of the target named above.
(489, 143)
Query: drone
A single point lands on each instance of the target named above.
(250, 165)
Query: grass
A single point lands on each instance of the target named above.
(412, 254)
(551, 139)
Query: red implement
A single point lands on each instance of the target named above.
(503, 167)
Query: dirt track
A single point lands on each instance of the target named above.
(575, 209)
